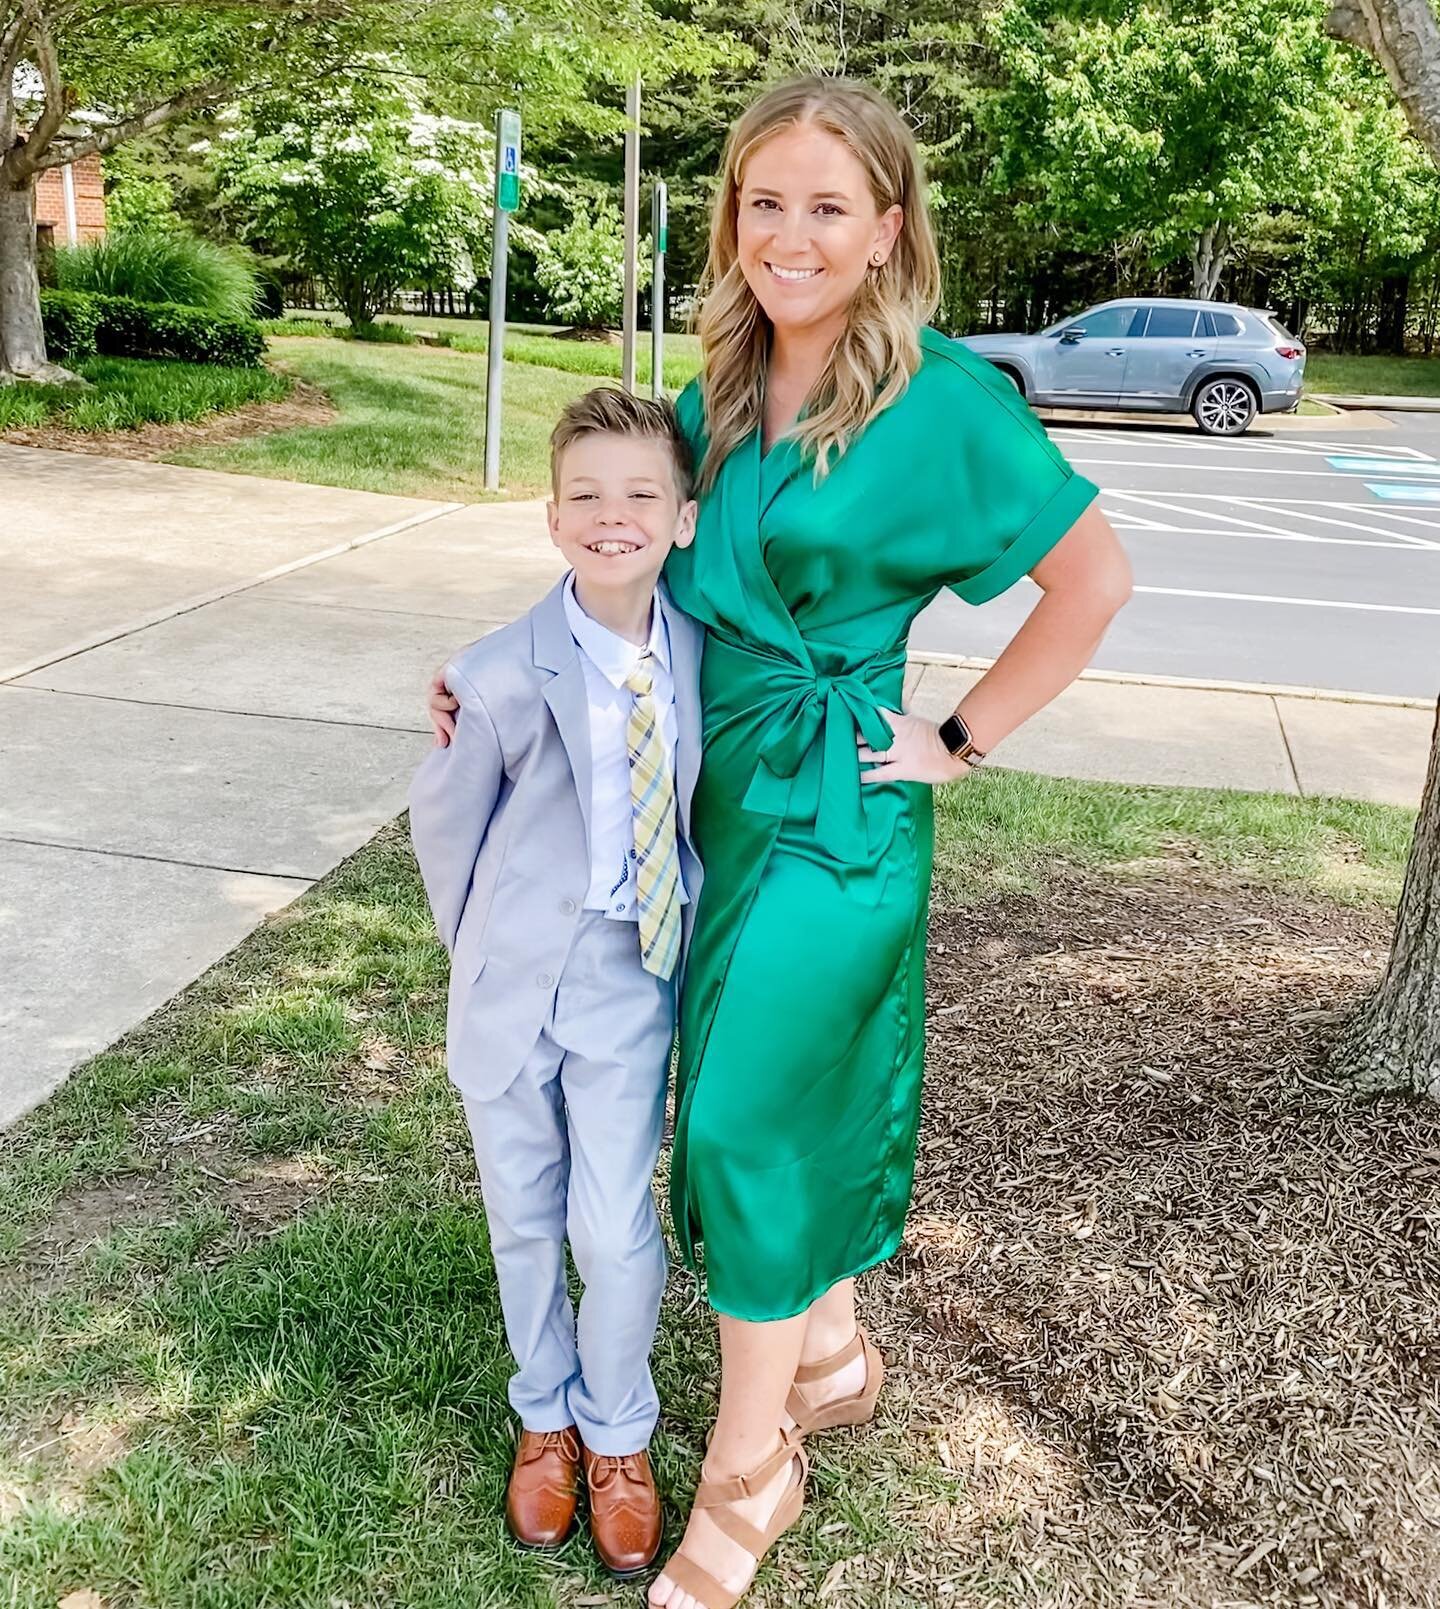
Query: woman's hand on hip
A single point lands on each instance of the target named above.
(916, 755)
(440, 706)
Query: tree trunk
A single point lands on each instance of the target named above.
(22, 337)
(1209, 253)
(1394, 1041)
(1404, 37)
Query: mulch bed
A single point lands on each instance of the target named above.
(1168, 1298)
(306, 405)
(1163, 1333)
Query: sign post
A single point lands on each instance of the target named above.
(659, 228)
(632, 231)
(507, 199)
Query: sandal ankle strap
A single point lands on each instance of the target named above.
(738, 1488)
(808, 1373)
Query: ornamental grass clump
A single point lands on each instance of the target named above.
(163, 265)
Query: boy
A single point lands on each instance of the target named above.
(553, 837)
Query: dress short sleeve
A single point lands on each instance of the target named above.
(1013, 493)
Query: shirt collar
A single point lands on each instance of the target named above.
(612, 655)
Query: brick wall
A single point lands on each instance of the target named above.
(89, 201)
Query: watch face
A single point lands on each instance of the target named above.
(954, 734)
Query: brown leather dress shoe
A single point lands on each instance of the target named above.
(625, 1516)
(544, 1487)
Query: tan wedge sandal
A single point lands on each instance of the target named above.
(854, 1410)
(718, 1498)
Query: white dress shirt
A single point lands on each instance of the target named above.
(607, 660)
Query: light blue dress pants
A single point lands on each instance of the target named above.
(567, 1152)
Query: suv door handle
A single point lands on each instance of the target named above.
(1196, 352)
(1115, 352)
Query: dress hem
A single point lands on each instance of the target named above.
(891, 1246)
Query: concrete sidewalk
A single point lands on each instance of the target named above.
(215, 694)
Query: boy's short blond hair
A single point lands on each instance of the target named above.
(606, 411)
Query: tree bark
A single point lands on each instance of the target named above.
(1394, 1041)
(1404, 37)
(22, 337)
(1209, 252)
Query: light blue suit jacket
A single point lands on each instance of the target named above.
(500, 823)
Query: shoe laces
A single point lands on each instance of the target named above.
(549, 1441)
(606, 1469)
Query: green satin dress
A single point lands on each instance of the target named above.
(803, 1010)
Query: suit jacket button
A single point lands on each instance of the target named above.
(567, 907)
(544, 980)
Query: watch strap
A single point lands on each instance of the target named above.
(955, 735)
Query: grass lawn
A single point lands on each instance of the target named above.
(530, 343)
(1157, 1333)
(133, 391)
(411, 421)
(1374, 376)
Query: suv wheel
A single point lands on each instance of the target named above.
(1224, 407)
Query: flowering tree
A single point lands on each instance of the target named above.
(581, 268)
(366, 191)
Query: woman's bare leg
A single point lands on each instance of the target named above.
(830, 1323)
(829, 1327)
(757, 1368)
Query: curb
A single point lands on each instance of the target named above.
(1363, 418)
(1389, 404)
(1126, 678)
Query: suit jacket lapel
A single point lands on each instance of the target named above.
(685, 641)
(565, 695)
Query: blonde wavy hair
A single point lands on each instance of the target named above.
(873, 360)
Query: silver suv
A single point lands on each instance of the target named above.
(1158, 354)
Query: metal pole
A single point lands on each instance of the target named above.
(657, 293)
(495, 364)
(632, 230)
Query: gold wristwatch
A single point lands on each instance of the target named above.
(955, 735)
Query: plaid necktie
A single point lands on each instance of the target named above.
(652, 809)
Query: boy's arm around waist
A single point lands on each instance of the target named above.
(452, 799)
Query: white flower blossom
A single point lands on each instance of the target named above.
(199, 145)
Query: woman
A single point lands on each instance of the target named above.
(854, 462)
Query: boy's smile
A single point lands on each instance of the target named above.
(616, 513)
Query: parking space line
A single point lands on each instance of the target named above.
(1259, 505)
(1260, 536)
(1303, 449)
(1255, 528)
(1303, 603)
(1389, 513)
(1400, 470)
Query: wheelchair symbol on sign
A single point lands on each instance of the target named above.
(510, 159)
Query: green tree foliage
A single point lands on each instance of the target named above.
(366, 191)
(581, 267)
(1168, 125)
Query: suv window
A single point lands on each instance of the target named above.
(1171, 321)
(1220, 324)
(1105, 322)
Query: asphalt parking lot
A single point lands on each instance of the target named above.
(1303, 561)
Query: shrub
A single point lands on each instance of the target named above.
(78, 326)
(131, 329)
(70, 319)
(298, 326)
(163, 265)
(384, 332)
